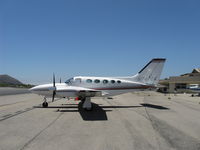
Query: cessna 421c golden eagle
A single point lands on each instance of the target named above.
(83, 88)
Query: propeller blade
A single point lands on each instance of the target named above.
(54, 93)
(53, 80)
(60, 80)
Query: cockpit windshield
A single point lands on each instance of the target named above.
(69, 81)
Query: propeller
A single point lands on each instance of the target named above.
(60, 80)
(54, 90)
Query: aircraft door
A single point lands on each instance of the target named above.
(78, 81)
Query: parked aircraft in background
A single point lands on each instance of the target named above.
(83, 88)
(195, 88)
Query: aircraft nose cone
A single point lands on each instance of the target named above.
(31, 89)
(44, 89)
(34, 89)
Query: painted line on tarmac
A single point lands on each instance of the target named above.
(5, 117)
(12, 103)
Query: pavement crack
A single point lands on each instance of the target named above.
(172, 136)
(12, 103)
(50, 124)
(128, 126)
(152, 124)
(15, 114)
(186, 106)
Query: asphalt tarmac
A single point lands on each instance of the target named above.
(132, 121)
(12, 91)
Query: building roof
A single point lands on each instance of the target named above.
(193, 77)
(197, 70)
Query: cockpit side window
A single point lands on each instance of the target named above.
(78, 80)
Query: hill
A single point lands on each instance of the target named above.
(8, 81)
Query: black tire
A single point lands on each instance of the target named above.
(87, 109)
(45, 104)
(192, 95)
(82, 100)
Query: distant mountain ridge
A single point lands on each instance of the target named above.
(8, 80)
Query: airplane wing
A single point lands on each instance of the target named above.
(73, 91)
(89, 93)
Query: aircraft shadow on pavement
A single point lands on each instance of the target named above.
(154, 106)
(98, 113)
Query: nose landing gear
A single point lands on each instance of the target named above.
(45, 104)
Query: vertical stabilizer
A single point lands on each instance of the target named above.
(150, 74)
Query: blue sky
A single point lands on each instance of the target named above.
(100, 38)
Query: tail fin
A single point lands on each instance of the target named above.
(150, 74)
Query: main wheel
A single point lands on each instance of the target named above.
(45, 104)
(88, 109)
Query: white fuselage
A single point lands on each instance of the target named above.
(112, 86)
(107, 85)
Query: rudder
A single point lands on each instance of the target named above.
(150, 74)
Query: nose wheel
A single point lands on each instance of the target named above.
(45, 104)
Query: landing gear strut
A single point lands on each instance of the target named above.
(45, 104)
(87, 105)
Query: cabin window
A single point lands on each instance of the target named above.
(119, 81)
(89, 81)
(105, 81)
(112, 81)
(97, 81)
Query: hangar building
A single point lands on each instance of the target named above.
(180, 83)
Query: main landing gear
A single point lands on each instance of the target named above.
(45, 104)
(87, 105)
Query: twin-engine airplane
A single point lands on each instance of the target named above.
(83, 88)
